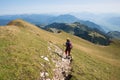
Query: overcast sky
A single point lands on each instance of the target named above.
(58, 6)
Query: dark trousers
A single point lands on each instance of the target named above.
(67, 51)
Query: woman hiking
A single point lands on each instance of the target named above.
(68, 46)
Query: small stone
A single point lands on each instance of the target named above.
(42, 56)
(42, 64)
(45, 58)
(46, 74)
(42, 74)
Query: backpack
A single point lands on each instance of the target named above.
(69, 45)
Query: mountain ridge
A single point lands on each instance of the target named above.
(80, 30)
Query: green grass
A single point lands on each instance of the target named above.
(94, 62)
(22, 46)
(20, 55)
(87, 67)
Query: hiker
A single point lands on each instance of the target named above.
(68, 46)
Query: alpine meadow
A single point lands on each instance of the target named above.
(22, 45)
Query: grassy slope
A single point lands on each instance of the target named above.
(22, 44)
(94, 62)
(21, 48)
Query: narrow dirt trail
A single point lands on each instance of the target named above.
(62, 70)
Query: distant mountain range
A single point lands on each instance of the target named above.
(114, 21)
(108, 21)
(33, 18)
(48, 19)
(4, 21)
(114, 35)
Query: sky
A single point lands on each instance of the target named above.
(58, 6)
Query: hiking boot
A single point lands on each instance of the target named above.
(65, 57)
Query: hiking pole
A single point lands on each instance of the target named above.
(63, 50)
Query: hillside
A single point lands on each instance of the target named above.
(24, 55)
(91, 34)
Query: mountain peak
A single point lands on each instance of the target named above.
(67, 18)
(66, 15)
